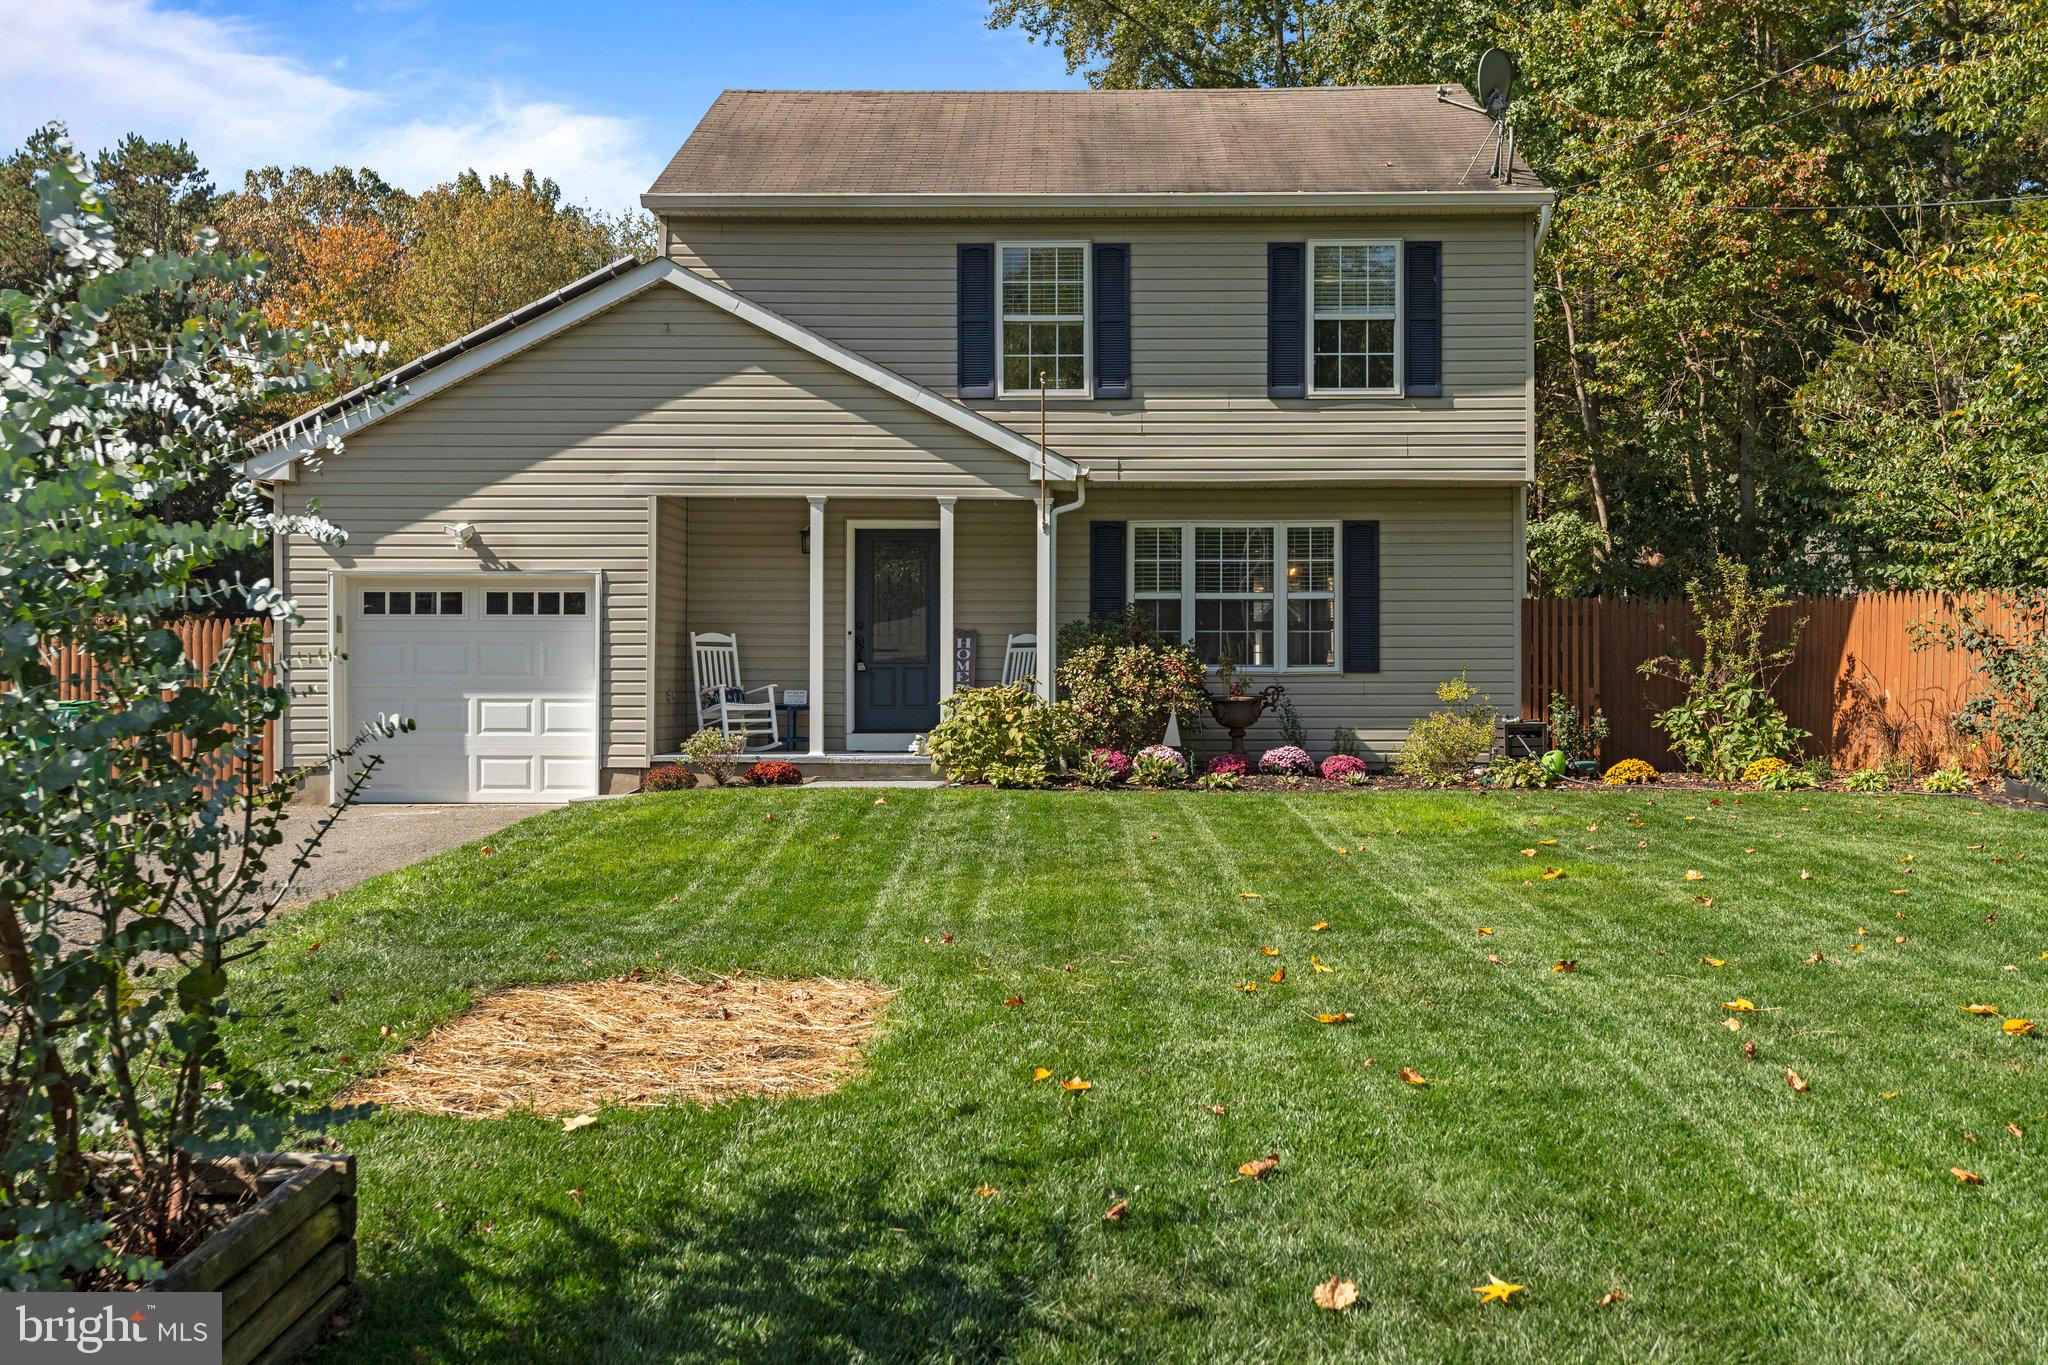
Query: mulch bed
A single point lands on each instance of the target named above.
(640, 1039)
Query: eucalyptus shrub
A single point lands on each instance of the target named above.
(139, 839)
(1729, 719)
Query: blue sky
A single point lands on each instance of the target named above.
(598, 95)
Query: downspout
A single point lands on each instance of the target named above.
(1052, 516)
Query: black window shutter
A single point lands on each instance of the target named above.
(1286, 300)
(1422, 323)
(975, 323)
(1105, 568)
(1112, 321)
(1361, 597)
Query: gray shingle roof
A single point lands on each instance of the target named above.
(1333, 139)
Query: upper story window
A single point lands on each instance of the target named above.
(1354, 305)
(1042, 305)
(1255, 593)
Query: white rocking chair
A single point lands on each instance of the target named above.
(1020, 659)
(725, 701)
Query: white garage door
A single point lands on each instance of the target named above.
(499, 676)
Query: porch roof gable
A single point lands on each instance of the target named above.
(279, 450)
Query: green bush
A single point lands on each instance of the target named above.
(1875, 778)
(1158, 766)
(1025, 776)
(2011, 709)
(1527, 774)
(1219, 780)
(987, 730)
(1729, 719)
(716, 754)
(1580, 734)
(1124, 680)
(1444, 746)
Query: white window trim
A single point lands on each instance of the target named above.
(1087, 389)
(1400, 311)
(1279, 595)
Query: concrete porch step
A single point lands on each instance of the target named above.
(845, 767)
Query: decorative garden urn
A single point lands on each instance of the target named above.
(1238, 713)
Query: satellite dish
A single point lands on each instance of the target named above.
(1496, 78)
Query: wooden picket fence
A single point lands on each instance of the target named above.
(202, 638)
(1857, 683)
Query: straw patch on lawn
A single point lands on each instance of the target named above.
(637, 1040)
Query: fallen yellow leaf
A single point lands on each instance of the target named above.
(1731, 1023)
(1570, 964)
(1693, 874)
(1115, 1212)
(1039, 1073)
(1246, 986)
(984, 1190)
(1413, 1077)
(2018, 1026)
(1546, 841)
(1551, 874)
(1967, 1177)
(1335, 1294)
(1258, 1167)
(1796, 1081)
(1270, 952)
(1980, 1009)
(1496, 1290)
(1483, 931)
(1317, 963)
(1077, 1084)
(1528, 853)
(575, 1121)
(1737, 1004)
(1319, 926)
(1251, 895)
(1279, 975)
(1333, 1018)
(1713, 962)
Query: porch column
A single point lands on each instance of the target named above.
(816, 723)
(1044, 626)
(946, 597)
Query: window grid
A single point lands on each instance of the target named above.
(1228, 594)
(1042, 316)
(537, 602)
(1354, 313)
(406, 602)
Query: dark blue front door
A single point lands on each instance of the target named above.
(895, 630)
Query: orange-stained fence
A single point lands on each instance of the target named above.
(202, 638)
(1857, 683)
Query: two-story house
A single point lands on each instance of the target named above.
(918, 373)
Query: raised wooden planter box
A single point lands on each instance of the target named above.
(284, 1267)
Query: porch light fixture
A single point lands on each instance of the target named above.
(803, 539)
(461, 532)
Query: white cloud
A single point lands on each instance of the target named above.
(109, 67)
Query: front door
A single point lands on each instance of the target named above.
(895, 630)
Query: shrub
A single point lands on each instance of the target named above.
(1579, 734)
(1344, 741)
(1159, 766)
(1788, 779)
(1338, 767)
(667, 777)
(1287, 761)
(1124, 681)
(1729, 718)
(1233, 763)
(1220, 780)
(143, 847)
(986, 728)
(715, 754)
(1875, 778)
(775, 773)
(1018, 775)
(1945, 780)
(1446, 745)
(1629, 771)
(1358, 779)
(1292, 731)
(1764, 770)
(2012, 708)
(1104, 768)
(1523, 773)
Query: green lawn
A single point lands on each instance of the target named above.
(1584, 1131)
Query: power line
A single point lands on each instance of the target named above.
(1677, 119)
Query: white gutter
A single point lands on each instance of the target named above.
(1542, 225)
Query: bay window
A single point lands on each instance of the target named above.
(1261, 594)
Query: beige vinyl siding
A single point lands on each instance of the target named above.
(1199, 410)
(670, 677)
(554, 455)
(1450, 597)
(745, 575)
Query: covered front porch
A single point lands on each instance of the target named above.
(870, 610)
